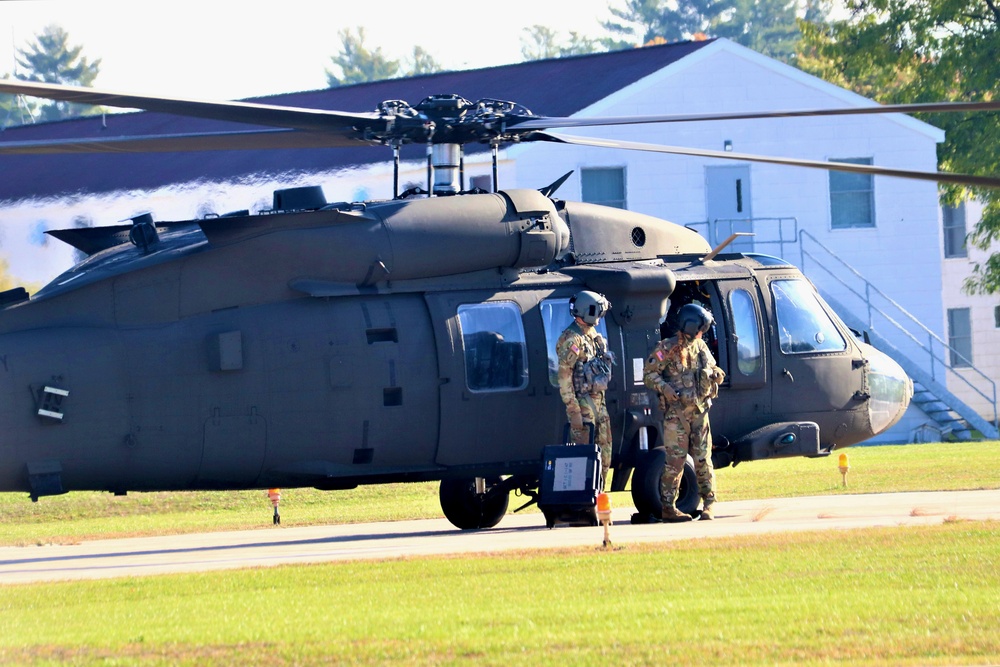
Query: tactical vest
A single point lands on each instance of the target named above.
(593, 375)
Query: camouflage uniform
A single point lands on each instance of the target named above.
(577, 344)
(686, 365)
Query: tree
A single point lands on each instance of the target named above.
(766, 26)
(357, 64)
(540, 42)
(642, 21)
(8, 106)
(51, 59)
(898, 51)
(422, 62)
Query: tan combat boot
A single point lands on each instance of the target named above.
(673, 515)
(706, 510)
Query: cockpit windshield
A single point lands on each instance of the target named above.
(803, 324)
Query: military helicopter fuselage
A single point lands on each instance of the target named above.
(332, 345)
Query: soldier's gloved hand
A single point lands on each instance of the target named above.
(668, 392)
(688, 397)
(576, 420)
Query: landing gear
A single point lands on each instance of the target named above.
(646, 487)
(470, 508)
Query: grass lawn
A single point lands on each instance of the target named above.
(85, 515)
(888, 596)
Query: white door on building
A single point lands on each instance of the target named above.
(727, 205)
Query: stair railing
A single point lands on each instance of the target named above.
(867, 295)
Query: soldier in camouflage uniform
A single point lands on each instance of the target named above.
(682, 370)
(578, 344)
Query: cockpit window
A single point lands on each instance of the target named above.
(803, 325)
(748, 352)
(555, 319)
(493, 336)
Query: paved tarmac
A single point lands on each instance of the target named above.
(276, 545)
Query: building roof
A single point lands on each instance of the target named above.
(554, 87)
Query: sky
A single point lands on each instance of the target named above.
(219, 50)
(216, 50)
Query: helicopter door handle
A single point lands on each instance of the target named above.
(787, 373)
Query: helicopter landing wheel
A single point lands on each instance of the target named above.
(646, 485)
(469, 510)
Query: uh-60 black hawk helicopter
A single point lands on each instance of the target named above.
(336, 344)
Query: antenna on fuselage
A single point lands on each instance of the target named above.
(718, 248)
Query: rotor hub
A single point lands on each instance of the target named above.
(449, 119)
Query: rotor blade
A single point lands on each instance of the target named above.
(542, 122)
(209, 141)
(293, 118)
(936, 176)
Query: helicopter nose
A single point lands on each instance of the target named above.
(890, 389)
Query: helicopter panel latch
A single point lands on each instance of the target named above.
(50, 403)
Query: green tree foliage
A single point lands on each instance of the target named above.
(51, 59)
(421, 62)
(8, 106)
(540, 42)
(643, 21)
(356, 63)
(899, 51)
(766, 26)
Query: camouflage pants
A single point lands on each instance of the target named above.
(686, 431)
(595, 411)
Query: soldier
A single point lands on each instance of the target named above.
(584, 373)
(683, 372)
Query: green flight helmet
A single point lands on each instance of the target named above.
(588, 306)
(692, 318)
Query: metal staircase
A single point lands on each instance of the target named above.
(949, 424)
(951, 418)
(924, 362)
(922, 353)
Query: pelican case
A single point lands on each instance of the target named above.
(569, 483)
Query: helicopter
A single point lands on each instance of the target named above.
(336, 344)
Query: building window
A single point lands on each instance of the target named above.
(852, 196)
(495, 354)
(953, 219)
(960, 337)
(484, 183)
(605, 186)
(996, 316)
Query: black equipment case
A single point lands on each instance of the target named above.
(569, 483)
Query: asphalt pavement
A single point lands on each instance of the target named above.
(277, 545)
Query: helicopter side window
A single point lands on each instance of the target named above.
(748, 352)
(803, 325)
(555, 319)
(493, 337)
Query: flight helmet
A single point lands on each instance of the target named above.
(588, 306)
(692, 318)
